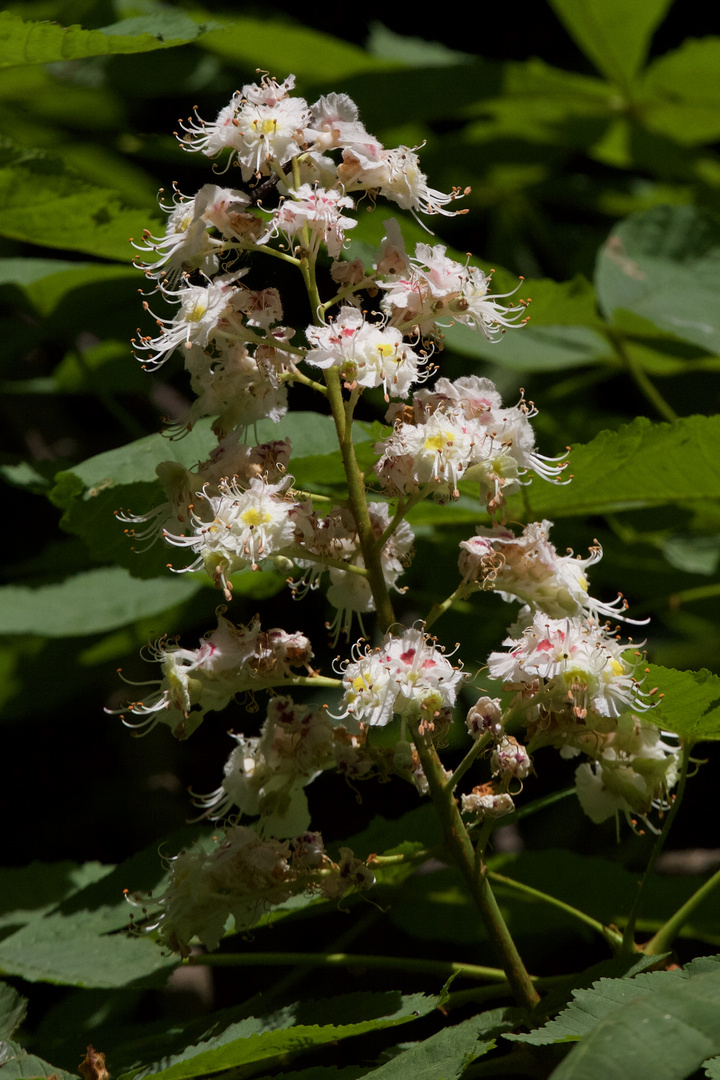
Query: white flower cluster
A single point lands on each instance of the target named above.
(460, 431)
(407, 676)
(243, 877)
(231, 661)
(528, 568)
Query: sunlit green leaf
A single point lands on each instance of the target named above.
(663, 1022)
(47, 42)
(683, 92)
(691, 703)
(615, 35)
(44, 202)
(280, 47)
(641, 464)
(90, 603)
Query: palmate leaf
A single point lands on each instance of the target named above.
(48, 42)
(296, 1030)
(661, 1024)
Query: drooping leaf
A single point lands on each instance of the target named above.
(47, 42)
(664, 265)
(614, 35)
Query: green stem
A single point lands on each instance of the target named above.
(460, 847)
(326, 560)
(443, 968)
(665, 936)
(474, 752)
(404, 508)
(358, 501)
(629, 934)
(463, 590)
(295, 375)
(323, 681)
(640, 377)
(613, 937)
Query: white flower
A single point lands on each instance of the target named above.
(230, 661)
(395, 175)
(528, 568)
(261, 124)
(409, 676)
(245, 527)
(486, 803)
(571, 664)
(369, 354)
(320, 210)
(201, 308)
(510, 759)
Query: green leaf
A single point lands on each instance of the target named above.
(91, 603)
(682, 92)
(77, 950)
(42, 201)
(29, 892)
(47, 42)
(590, 1006)
(47, 282)
(245, 1043)
(12, 1010)
(78, 943)
(448, 1053)
(660, 1024)
(691, 703)
(712, 1068)
(613, 34)
(640, 464)
(532, 348)
(664, 265)
(275, 45)
(18, 1064)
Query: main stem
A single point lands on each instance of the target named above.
(474, 872)
(358, 501)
